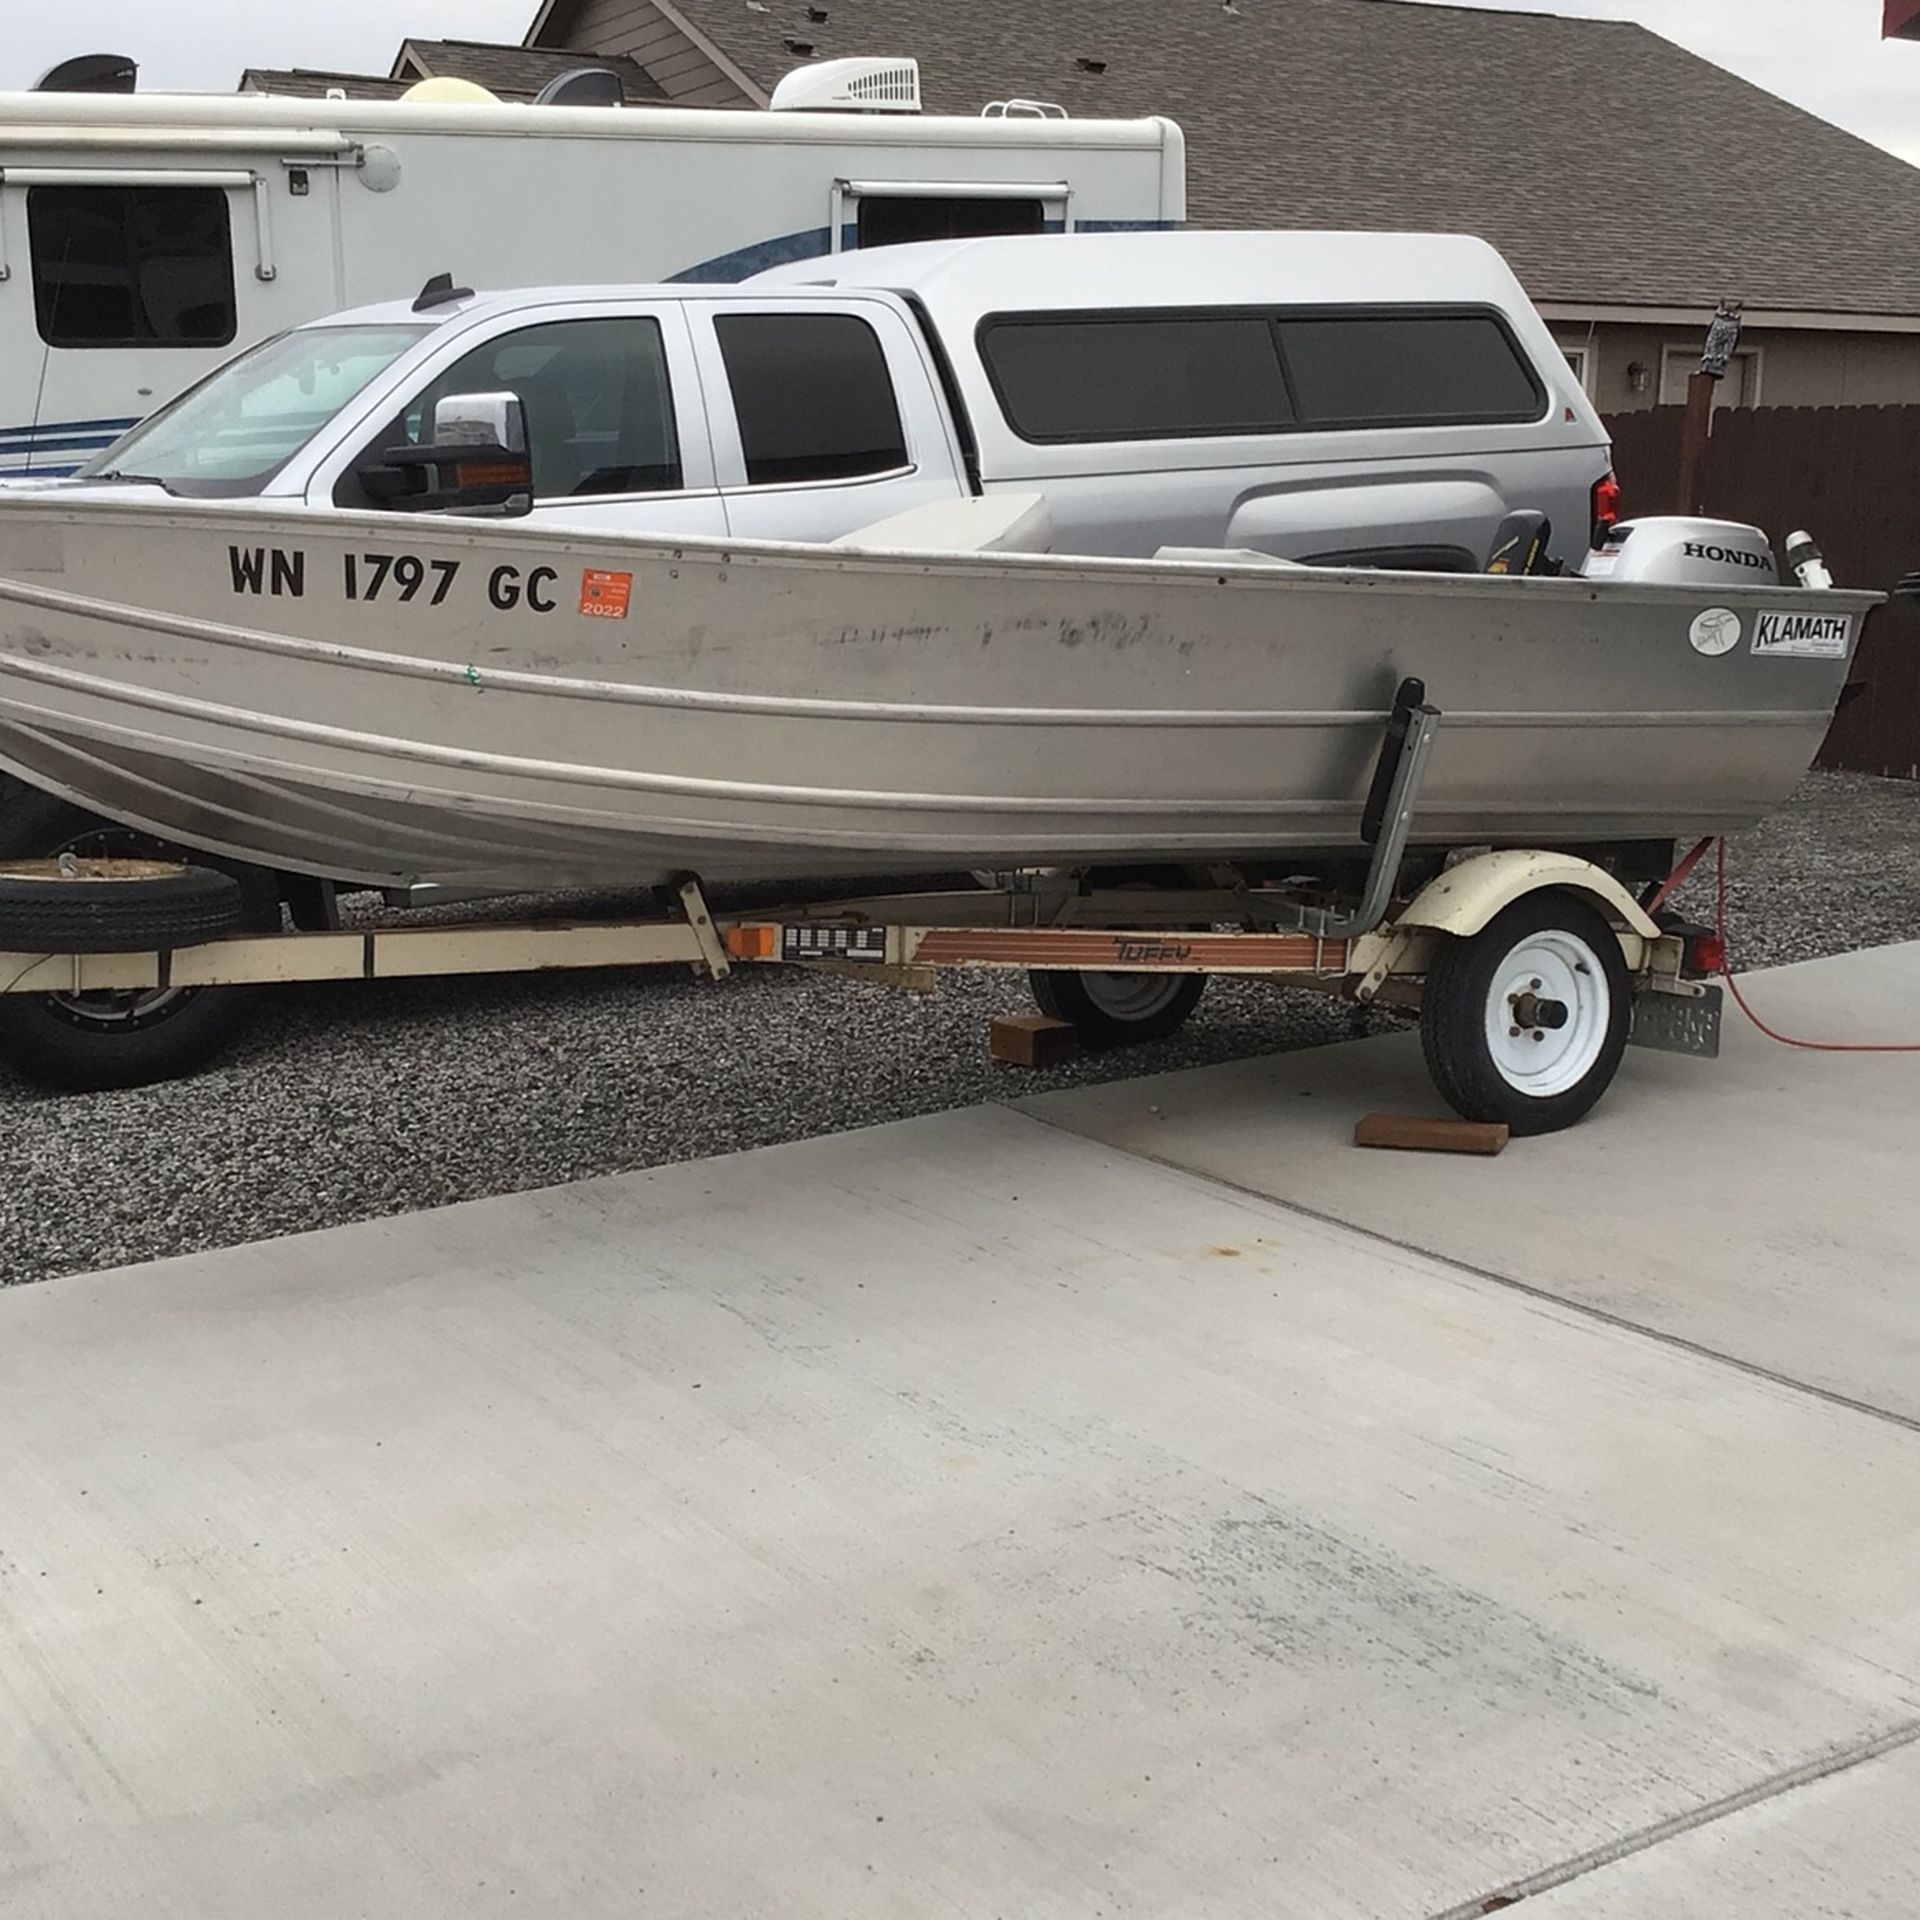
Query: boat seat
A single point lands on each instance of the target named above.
(1226, 557)
(994, 523)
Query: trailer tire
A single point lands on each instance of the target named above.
(114, 905)
(1117, 1009)
(1525, 1022)
(87, 1043)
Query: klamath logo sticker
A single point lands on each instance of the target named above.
(1804, 636)
(1718, 630)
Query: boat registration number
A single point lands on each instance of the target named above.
(408, 579)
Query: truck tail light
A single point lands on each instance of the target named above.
(1606, 508)
(1706, 954)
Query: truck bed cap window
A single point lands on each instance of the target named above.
(1207, 374)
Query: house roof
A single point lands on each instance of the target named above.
(1611, 166)
(517, 73)
(315, 83)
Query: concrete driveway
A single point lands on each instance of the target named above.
(1134, 1503)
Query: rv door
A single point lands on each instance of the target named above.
(123, 281)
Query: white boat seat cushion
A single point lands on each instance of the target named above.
(1227, 557)
(996, 523)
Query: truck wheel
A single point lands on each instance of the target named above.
(1526, 1021)
(1117, 1009)
(84, 1043)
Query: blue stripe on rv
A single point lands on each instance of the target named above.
(41, 428)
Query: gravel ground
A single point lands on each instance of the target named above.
(350, 1102)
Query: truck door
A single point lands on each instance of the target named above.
(125, 283)
(614, 422)
(824, 419)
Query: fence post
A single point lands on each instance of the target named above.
(1694, 433)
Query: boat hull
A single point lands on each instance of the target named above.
(475, 703)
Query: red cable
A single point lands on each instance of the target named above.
(1740, 999)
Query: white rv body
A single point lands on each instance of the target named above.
(112, 298)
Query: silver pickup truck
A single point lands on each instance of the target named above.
(1340, 399)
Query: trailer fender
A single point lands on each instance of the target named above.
(1466, 897)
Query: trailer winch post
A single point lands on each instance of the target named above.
(1387, 820)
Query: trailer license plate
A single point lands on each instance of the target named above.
(833, 943)
(1676, 1023)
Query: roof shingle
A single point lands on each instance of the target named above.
(1611, 166)
(518, 73)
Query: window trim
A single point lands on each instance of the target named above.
(1756, 363)
(1276, 317)
(61, 179)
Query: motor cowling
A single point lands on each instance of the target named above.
(1682, 550)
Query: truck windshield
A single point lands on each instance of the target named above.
(233, 432)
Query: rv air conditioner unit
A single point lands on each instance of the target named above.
(850, 86)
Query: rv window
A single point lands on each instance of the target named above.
(1407, 370)
(1131, 377)
(890, 220)
(813, 397)
(131, 266)
(598, 399)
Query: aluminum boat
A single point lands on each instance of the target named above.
(389, 699)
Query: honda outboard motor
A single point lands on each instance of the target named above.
(1682, 551)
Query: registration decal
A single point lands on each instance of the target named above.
(604, 596)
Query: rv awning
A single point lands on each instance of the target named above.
(1903, 19)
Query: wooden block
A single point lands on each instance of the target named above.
(1411, 1133)
(1031, 1040)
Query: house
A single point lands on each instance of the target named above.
(514, 73)
(1632, 184)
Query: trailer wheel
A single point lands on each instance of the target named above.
(87, 1042)
(1526, 1021)
(1117, 1009)
(91, 903)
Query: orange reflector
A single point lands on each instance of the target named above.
(751, 943)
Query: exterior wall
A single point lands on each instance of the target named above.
(638, 29)
(1790, 368)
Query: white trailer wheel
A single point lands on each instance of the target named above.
(1525, 1022)
(1538, 1053)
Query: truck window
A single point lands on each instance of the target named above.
(890, 220)
(1082, 376)
(813, 397)
(227, 436)
(131, 266)
(598, 399)
(1088, 377)
(1407, 370)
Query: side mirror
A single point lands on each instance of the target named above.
(476, 460)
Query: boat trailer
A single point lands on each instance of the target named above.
(1530, 970)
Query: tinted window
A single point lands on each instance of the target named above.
(1080, 378)
(1407, 368)
(598, 403)
(813, 396)
(131, 266)
(889, 220)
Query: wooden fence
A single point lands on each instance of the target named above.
(1851, 477)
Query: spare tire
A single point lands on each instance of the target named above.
(79, 903)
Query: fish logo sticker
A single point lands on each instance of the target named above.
(1717, 631)
(604, 596)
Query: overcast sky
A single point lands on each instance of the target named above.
(1825, 54)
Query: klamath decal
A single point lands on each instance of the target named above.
(1804, 636)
